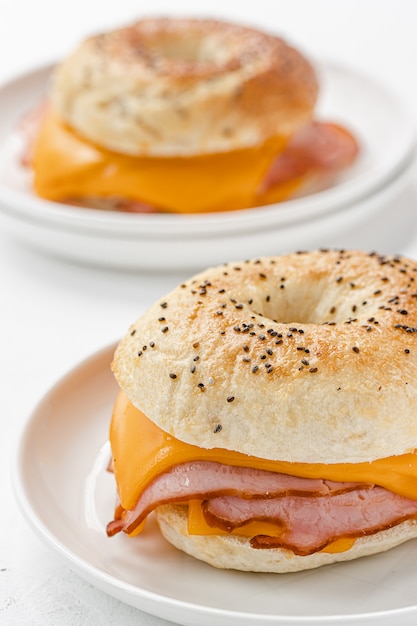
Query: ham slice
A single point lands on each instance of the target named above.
(310, 523)
(29, 127)
(320, 147)
(206, 479)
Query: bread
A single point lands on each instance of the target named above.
(310, 358)
(165, 87)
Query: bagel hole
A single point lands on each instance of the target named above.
(301, 304)
(189, 49)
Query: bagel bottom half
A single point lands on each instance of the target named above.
(234, 552)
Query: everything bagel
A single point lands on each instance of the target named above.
(166, 87)
(317, 351)
(267, 412)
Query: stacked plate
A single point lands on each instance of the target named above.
(161, 241)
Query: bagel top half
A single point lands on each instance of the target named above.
(164, 87)
(309, 357)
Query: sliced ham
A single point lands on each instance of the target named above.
(318, 147)
(309, 523)
(29, 127)
(206, 479)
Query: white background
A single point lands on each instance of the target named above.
(53, 314)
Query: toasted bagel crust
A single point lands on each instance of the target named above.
(308, 357)
(232, 552)
(168, 87)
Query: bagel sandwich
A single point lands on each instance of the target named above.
(184, 116)
(267, 412)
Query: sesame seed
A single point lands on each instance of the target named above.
(255, 369)
(164, 329)
(217, 428)
(230, 398)
(164, 305)
(313, 370)
(173, 376)
(355, 349)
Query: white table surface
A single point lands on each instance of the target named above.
(53, 314)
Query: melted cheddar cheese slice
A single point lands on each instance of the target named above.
(141, 451)
(68, 167)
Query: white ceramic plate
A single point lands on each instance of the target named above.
(67, 496)
(382, 127)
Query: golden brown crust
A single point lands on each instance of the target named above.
(232, 552)
(308, 357)
(184, 86)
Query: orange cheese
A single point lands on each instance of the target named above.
(68, 167)
(141, 451)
